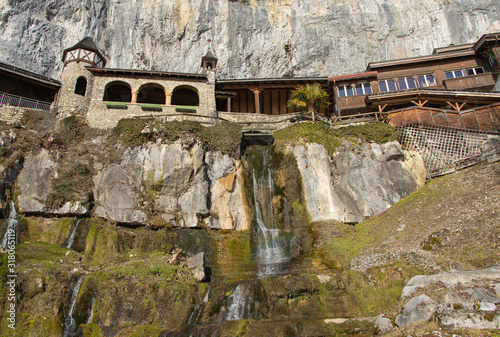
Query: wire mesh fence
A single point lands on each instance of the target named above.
(443, 149)
(22, 102)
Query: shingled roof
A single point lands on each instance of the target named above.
(88, 44)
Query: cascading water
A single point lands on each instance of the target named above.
(69, 321)
(271, 247)
(91, 311)
(239, 307)
(73, 234)
(12, 227)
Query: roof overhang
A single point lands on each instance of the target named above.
(147, 73)
(351, 77)
(29, 76)
(420, 59)
(270, 82)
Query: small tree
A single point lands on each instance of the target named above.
(310, 97)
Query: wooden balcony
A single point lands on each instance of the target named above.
(481, 81)
(351, 102)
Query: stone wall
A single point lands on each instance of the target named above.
(99, 116)
(69, 103)
(10, 114)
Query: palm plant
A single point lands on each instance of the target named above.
(308, 97)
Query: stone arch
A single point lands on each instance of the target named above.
(151, 93)
(81, 86)
(118, 91)
(185, 95)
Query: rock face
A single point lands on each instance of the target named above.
(357, 183)
(182, 183)
(35, 182)
(418, 309)
(250, 38)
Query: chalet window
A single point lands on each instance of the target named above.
(387, 85)
(474, 71)
(345, 90)
(407, 83)
(454, 73)
(363, 89)
(426, 80)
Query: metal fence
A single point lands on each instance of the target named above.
(22, 102)
(443, 149)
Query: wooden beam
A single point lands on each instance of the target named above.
(419, 103)
(381, 109)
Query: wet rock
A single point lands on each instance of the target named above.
(418, 309)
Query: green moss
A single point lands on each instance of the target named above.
(90, 242)
(92, 330)
(144, 330)
(223, 136)
(106, 246)
(56, 233)
(331, 138)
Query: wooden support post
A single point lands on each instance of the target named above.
(419, 103)
(256, 93)
(456, 106)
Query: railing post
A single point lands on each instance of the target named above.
(36, 105)
(1, 101)
(19, 103)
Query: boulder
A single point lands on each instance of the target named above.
(197, 266)
(418, 309)
(382, 325)
(35, 182)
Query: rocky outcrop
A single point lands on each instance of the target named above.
(35, 182)
(356, 183)
(418, 309)
(115, 197)
(251, 38)
(180, 182)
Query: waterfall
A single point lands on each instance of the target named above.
(69, 321)
(195, 315)
(12, 227)
(91, 313)
(271, 246)
(73, 234)
(239, 307)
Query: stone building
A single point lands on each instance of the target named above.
(104, 96)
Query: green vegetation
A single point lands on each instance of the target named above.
(310, 97)
(331, 138)
(151, 107)
(74, 183)
(223, 136)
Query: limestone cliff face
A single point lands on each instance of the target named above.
(251, 38)
(356, 182)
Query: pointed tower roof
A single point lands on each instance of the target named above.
(88, 44)
(209, 56)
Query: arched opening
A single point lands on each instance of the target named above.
(81, 86)
(118, 92)
(185, 95)
(151, 93)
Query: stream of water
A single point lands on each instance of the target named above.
(12, 227)
(69, 321)
(73, 234)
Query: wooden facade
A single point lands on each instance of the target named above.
(264, 96)
(471, 67)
